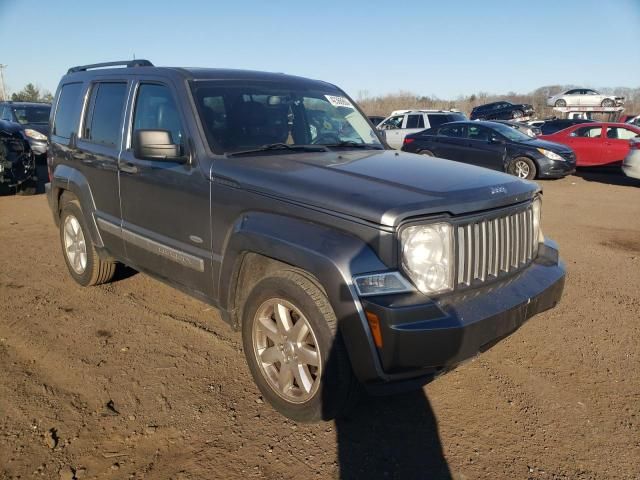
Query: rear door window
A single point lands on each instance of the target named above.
(415, 121)
(620, 133)
(67, 114)
(104, 125)
(454, 131)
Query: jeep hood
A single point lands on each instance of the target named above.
(380, 186)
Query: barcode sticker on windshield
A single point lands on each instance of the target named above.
(339, 101)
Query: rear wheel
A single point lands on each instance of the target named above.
(427, 153)
(523, 167)
(561, 103)
(294, 350)
(607, 102)
(83, 262)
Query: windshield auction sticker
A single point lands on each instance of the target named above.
(339, 101)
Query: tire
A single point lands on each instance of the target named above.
(523, 167)
(84, 264)
(27, 188)
(427, 153)
(560, 103)
(607, 102)
(331, 388)
(518, 114)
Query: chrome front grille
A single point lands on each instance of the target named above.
(489, 248)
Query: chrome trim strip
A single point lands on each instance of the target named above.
(152, 246)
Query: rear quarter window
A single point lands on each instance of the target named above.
(67, 114)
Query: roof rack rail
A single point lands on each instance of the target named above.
(121, 63)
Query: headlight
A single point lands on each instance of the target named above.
(426, 256)
(550, 154)
(34, 134)
(536, 208)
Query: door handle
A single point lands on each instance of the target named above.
(128, 167)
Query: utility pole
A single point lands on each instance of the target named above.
(3, 92)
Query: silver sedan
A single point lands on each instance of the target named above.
(584, 97)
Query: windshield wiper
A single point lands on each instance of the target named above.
(351, 143)
(281, 146)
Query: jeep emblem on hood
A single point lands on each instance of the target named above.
(496, 190)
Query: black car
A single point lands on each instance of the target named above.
(33, 119)
(17, 162)
(501, 111)
(496, 146)
(341, 261)
(552, 126)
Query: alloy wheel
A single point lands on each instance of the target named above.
(522, 169)
(75, 247)
(286, 350)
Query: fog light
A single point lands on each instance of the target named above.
(381, 284)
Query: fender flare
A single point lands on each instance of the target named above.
(332, 256)
(68, 178)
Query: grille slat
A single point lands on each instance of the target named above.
(493, 247)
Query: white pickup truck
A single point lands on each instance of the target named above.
(403, 122)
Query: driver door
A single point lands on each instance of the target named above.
(165, 204)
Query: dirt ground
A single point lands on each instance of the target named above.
(136, 380)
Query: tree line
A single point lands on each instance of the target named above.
(32, 93)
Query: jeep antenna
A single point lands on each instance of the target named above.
(3, 92)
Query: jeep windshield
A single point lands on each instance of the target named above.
(254, 117)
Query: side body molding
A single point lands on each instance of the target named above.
(332, 256)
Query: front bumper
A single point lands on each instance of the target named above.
(38, 147)
(422, 338)
(555, 168)
(631, 168)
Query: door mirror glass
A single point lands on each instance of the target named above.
(156, 145)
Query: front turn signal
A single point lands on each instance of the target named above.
(374, 325)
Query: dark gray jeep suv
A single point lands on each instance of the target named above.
(272, 198)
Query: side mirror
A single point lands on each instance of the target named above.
(156, 145)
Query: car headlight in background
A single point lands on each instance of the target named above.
(550, 154)
(426, 256)
(34, 134)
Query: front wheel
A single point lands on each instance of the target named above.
(607, 102)
(523, 167)
(294, 350)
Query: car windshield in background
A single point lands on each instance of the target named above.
(244, 116)
(27, 115)
(511, 133)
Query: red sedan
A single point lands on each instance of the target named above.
(597, 143)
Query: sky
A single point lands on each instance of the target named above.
(436, 48)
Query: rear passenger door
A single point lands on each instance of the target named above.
(451, 142)
(96, 156)
(588, 144)
(165, 204)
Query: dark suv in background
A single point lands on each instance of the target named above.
(272, 198)
(33, 119)
(501, 111)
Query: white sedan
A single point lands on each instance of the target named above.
(584, 97)
(631, 164)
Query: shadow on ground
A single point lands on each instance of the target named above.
(391, 437)
(610, 175)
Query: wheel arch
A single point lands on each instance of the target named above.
(69, 179)
(263, 242)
